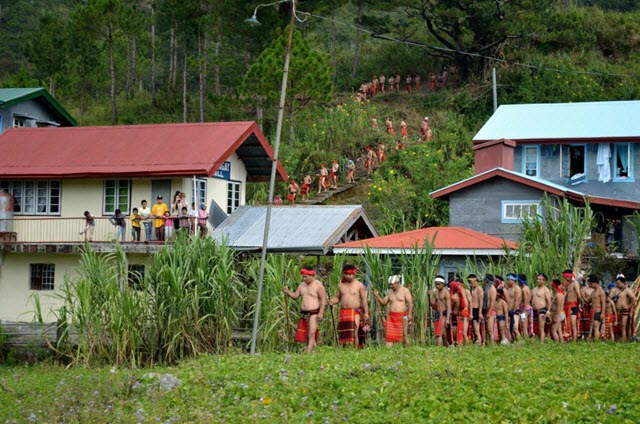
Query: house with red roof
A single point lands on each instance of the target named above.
(454, 245)
(583, 152)
(50, 176)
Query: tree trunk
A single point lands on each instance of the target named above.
(127, 84)
(184, 85)
(259, 113)
(82, 104)
(216, 70)
(52, 85)
(112, 73)
(291, 127)
(202, 61)
(153, 58)
(334, 60)
(356, 54)
(134, 58)
(173, 58)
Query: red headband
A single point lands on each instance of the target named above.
(351, 271)
(307, 272)
(557, 287)
(567, 275)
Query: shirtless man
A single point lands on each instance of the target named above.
(389, 124)
(625, 305)
(333, 177)
(467, 316)
(381, 155)
(314, 299)
(374, 123)
(541, 303)
(374, 85)
(293, 192)
(354, 308)
(502, 309)
(306, 187)
(322, 182)
(407, 83)
(557, 311)
(382, 81)
(611, 318)
(585, 318)
(392, 83)
(489, 305)
(526, 304)
(459, 312)
(514, 300)
(369, 160)
(418, 81)
(351, 169)
(476, 306)
(404, 130)
(399, 311)
(441, 303)
(573, 299)
(598, 301)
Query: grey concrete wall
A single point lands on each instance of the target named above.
(629, 238)
(550, 171)
(479, 207)
(30, 108)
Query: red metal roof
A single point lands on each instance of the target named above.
(134, 151)
(539, 184)
(445, 238)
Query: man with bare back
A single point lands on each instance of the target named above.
(573, 299)
(527, 311)
(541, 304)
(597, 300)
(558, 314)
(514, 300)
(476, 306)
(626, 305)
(459, 312)
(489, 307)
(354, 308)
(441, 303)
(314, 299)
(399, 311)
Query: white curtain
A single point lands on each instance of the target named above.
(603, 160)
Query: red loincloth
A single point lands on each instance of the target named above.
(301, 331)
(391, 131)
(381, 157)
(347, 326)
(585, 318)
(432, 85)
(332, 175)
(460, 328)
(305, 189)
(609, 323)
(291, 197)
(393, 326)
(438, 324)
(404, 131)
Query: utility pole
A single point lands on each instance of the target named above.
(495, 89)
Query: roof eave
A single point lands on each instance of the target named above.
(44, 93)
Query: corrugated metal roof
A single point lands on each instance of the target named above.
(550, 121)
(106, 151)
(11, 96)
(304, 229)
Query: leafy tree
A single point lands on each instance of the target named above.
(309, 75)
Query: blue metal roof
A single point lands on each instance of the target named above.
(301, 229)
(553, 121)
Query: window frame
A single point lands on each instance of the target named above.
(10, 187)
(584, 160)
(116, 200)
(505, 203)
(40, 267)
(614, 177)
(198, 189)
(135, 276)
(524, 160)
(230, 207)
(19, 119)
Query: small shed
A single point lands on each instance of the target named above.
(454, 245)
(308, 230)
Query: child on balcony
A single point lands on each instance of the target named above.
(89, 226)
(136, 219)
(117, 219)
(184, 220)
(168, 226)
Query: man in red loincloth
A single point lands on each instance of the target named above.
(389, 124)
(597, 301)
(441, 303)
(351, 169)
(312, 308)
(432, 81)
(404, 131)
(293, 192)
(558, 314)
(382, 81)
(399, 311)
(322, 182)
(572, 301)
(354, 308)
(306, 187)
(333, 177)
(417, 80)
(625, 305)
(407, 83)
(381, 155)
(459, 311)
(476, 306)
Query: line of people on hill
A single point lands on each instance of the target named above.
(159, 222)
(408, 83)
(327, 179)
(494, 311)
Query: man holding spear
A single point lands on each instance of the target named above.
(399, 312)
(312, 309)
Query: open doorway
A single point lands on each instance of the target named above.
(573, 162)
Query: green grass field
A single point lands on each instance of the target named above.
(525, 383)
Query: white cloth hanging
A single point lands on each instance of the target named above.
(603, 160)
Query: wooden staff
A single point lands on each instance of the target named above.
(333, 323)
(286, 308)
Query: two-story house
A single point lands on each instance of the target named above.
(31, 107)
(578, 151)
(56, 174)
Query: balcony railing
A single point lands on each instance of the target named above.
(57, 230)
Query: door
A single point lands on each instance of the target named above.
(161, 188)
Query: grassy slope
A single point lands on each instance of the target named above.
(527, 383)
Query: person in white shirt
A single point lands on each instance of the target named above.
(145, 214)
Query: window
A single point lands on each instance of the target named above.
(35, 197)
(233, 196)
(623, 162)
(200, 195)
(19, 122)
(42, 276)
(530, 161)
(573, 162)
(514, 211)
(117, 194)
(135, 276)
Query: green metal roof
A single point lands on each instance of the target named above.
(12, 96)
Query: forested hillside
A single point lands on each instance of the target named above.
(143, 61)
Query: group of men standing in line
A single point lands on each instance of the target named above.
(396, 82)
(327, 179)
(495, 310)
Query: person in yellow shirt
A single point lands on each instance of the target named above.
(158, 211)
(136, 218)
